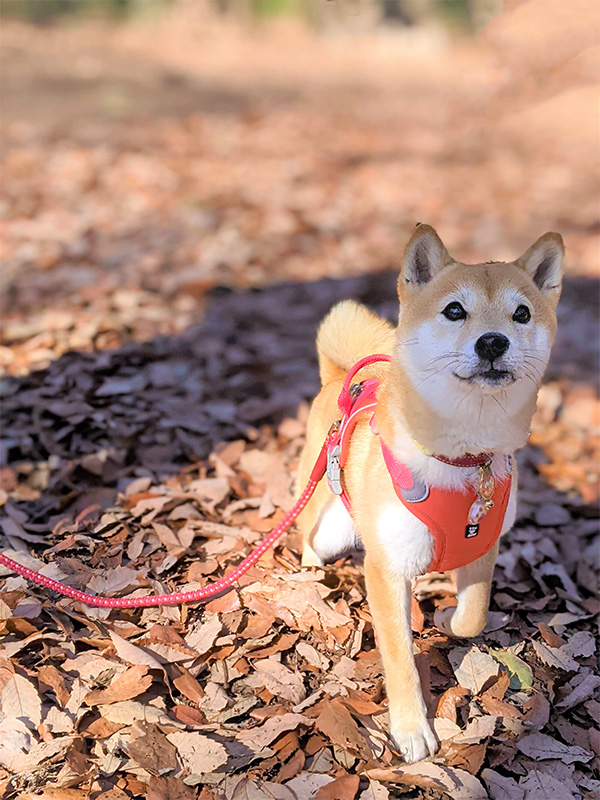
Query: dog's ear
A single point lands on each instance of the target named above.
(424, 257)
(543, 262)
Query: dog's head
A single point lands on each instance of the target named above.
(483, 329)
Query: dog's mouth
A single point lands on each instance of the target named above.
(489, 377)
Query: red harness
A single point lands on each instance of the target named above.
(445, 512)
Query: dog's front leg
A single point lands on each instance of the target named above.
(473, 584)
(389, 600)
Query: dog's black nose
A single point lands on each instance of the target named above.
(491, 346)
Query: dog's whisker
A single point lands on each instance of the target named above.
(498, 403)
(535, 358)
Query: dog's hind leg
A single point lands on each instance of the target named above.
(329, 533)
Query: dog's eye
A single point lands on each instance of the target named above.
(454, 312)
(522, 315)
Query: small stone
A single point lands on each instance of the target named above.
(551, 514)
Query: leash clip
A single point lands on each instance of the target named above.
(355, 390)
(334, 429)
(334, 452)
(334, 472)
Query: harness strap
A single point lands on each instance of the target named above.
(353, 400)
(345, 399)
(458, 539)
(400, 474)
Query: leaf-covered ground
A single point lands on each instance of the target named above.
(152, 427)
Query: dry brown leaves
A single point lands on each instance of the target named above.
(275, 689)
(139, 461)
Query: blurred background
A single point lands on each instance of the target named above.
(155, 149)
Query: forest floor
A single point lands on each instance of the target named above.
(180, 209)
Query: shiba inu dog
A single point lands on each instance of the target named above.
(454, 400)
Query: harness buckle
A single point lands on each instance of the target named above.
(334, 472)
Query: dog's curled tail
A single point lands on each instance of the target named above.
(348, 333)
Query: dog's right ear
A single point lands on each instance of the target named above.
(424, 257)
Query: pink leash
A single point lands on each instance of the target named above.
(177, 597)
(214, 588)
(181, 597)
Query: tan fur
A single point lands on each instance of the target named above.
(405, 414)
(348, 329)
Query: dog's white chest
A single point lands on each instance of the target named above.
(407, 543)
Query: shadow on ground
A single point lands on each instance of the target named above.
(160, 404)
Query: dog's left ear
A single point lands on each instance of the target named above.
(543, 262)
(424, 257)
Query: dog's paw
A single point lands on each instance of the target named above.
(310, 558)
(442, 619)
(415, 745)
(448, 621)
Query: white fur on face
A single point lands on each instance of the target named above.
(441, 361)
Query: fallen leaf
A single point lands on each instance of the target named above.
(449, 701)
(57, 793)
(539, 746)
(477, 729)
(306, 784)
(521, 675)
(555, 657)
(210, 491)
(126, 712)
(278, 679)
(259, 737)
(375, 791)
(126, 686)
(185, 683)
(342, 788)
(338, 725)
(255, 789)
(581, 644)
(169, 788)
(133, 654)
(20, 700)
(459, 785)
(472, 667)
(153, 751)
(537, 785)
(15, 743)
(313, 656)
(417, 619)
(445, 728)
(203, 636)
(199, 753)
(580, 691)
(51, 677)
(536, 711)
(502, 787)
